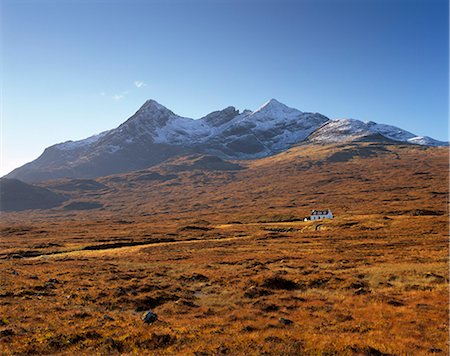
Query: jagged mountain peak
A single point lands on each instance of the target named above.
(271, 103)
(154, 134)
(152, 106)
(220, 117)
(151, 109)
(151, 113)
(274, 107)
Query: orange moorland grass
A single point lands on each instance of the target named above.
(228, 266)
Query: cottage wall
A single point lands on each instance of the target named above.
(328, 215)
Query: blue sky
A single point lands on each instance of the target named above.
(71, 69)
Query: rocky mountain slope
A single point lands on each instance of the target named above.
(154, 134)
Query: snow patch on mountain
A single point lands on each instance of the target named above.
(273, 108)
(73, 145)
(389, 131)
(426, 141)
(345, 130)
(340, 131)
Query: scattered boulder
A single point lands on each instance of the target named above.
(149, 317)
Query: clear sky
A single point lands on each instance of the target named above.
(74, 68)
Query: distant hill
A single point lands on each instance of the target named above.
(73, 185)
(16, 196)
(379, 177)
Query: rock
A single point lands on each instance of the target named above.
(285, 321)
(14, 272)
(34, 277)
(149, 317)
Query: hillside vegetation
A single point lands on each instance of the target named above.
(222, 255)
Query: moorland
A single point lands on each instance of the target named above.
(220, 252)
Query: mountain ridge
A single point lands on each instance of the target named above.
(155, 133)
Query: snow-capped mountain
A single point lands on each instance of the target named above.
(344, 130)
(154, 134)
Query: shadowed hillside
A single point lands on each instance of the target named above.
(16, 195)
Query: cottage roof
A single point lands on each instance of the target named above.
(320, 212)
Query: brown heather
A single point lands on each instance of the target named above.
(221, 256)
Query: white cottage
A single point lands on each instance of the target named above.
(321, 214)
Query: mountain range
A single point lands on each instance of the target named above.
(155, 134)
